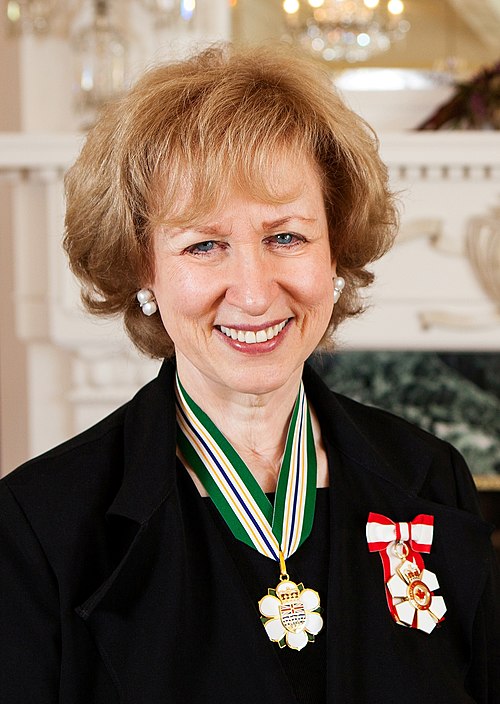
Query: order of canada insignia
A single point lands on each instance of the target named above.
(409, 585)
(291, 614)
(413, 596)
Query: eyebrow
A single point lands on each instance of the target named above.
(273, 224)
(268, 225)
(216, 230)
(202, 230)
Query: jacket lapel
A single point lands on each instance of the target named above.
(148, 473)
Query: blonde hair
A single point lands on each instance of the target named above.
(200, 126)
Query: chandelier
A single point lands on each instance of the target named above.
(99, 45)
(346, 30)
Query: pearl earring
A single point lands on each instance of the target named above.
(338, 287)
(147, 301)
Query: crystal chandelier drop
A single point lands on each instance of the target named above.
(100, 53)
(99, 44)
(346, 30)
(169, 12)
(36, 16)
(49, 16)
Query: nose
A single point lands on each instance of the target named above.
(253, 286)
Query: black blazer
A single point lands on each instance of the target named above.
(92, 540)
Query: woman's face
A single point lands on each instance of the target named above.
(247, 295)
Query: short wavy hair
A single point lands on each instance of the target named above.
(201, 126)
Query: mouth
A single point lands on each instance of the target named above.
(251, 337)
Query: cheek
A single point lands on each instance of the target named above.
(315, 284)
(182, 293)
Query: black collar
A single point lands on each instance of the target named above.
(360, 433)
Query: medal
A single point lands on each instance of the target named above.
(409, 585)
(289, 611)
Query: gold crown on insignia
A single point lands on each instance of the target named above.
(413, 574)
(288, 591)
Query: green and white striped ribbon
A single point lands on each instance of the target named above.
(235, 491)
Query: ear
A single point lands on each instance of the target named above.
(334, 268)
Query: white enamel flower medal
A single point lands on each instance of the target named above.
(409, 585)
(290, 612)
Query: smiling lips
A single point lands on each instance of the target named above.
(250, 337)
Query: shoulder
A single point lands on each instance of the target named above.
(59, 499)
(57, 509)
(96, 447)
(53, 508)
(89, 467)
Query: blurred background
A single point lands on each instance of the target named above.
(425, 75)
(60, 59)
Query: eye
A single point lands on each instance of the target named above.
(286, 239)
(202, 247)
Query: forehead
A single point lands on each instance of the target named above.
(279, 180)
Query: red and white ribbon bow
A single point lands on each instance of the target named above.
(381, 532)
(409, 586)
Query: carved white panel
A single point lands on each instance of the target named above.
(427, 295)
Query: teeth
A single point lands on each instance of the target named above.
(250, 337)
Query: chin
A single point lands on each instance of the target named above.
(264, 381)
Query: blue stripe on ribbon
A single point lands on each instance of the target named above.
(230, 483)
(297, 476)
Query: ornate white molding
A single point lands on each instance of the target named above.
(37, 152)
(424, 151)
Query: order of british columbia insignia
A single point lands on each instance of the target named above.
(291, 614)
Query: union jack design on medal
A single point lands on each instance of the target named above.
(290, 613)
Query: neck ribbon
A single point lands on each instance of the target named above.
(275, 531)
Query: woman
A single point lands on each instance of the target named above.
(217, 537)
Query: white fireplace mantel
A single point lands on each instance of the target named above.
(426, 295)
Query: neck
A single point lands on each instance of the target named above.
(256, 425)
